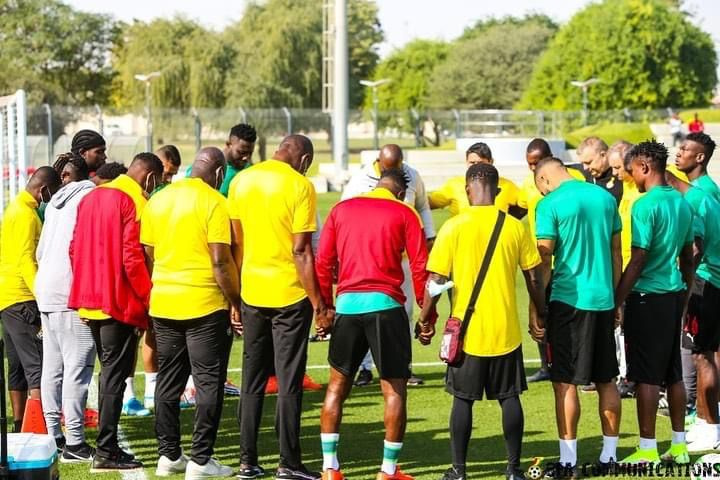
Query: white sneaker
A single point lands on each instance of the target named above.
(705, 439)
(696, 431)
(167, 467)
(211, 469)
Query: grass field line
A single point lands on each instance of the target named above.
(527, 361)
(125, 445)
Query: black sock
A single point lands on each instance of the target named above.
(460, 431)
(17, 426)
(513, 423)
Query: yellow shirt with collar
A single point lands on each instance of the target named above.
(20, 235)
(453, 196)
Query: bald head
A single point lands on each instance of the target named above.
(209, 166)
(550, 172)
(391, 156)
(43, 184)
(297, 151)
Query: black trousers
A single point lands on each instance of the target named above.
(200, 347)
(116, 345)
(279, 337)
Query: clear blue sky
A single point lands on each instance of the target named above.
(402, 20)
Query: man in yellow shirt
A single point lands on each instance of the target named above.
(273, 211)
(616, 157)
(452, 195)
(18, 310)
(194, 283)
(492, 364)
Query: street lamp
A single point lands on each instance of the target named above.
(146, 78)
(584, 86)
(374, 85)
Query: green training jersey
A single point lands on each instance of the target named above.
(661, 225)
(706, 212)
(708, 186)
(581, 218)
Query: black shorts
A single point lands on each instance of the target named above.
(385, 332)
(703, 323)
(496, 377)
(22, 333)
(652, 338)
(581, 345)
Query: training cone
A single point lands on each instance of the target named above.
(34, 421)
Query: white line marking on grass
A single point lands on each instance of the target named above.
(125, 445)
(527, 361)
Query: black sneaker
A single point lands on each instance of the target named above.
(82, 453)
(626, 389)
(60, 443)
(251, 471)
(118, 462)
(541, 375)
(453, 473)
(415, 381)
(515, 474)
(557, 471)
(300, 473)
(589, 388)
(364, 378)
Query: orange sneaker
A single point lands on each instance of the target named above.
(271, 388)
(398, 475)
(309, 383)
(331, 474)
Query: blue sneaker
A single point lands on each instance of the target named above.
(133, 408)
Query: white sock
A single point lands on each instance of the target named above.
(329, 442)
(650, 443)
(609, 450)
(150, 382)
(568, 452)
(678, 437)
(129, 393)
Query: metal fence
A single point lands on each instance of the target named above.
(50, 128)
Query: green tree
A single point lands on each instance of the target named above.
(482, 26)
(409, 70)
(490, 67)
(646, 53)
(282, 64)
(57, 54)
(193, 62)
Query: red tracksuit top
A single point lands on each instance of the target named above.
(107, 259)
(364, 238)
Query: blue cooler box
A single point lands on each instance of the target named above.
(32, 457)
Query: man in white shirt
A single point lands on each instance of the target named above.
(365, 180)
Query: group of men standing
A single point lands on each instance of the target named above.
(618, 244)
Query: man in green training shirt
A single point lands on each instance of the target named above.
(238, 153)
(702, 331)
(578, 224)
(692, 159)
(653, 290)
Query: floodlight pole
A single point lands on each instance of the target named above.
(584, 85)
(146, 78)
(373, 85)
(341, 75)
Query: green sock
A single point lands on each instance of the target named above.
(391, 452)
(329, 442)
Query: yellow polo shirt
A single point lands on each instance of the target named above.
(180, 222)
(529, 196)
(272, 202)
(19, 237)
(453, 196)
(459, 250)
(630, 194)
(133, 190)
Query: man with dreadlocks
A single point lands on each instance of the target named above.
(90, 145)
(492, 365)
(68, 346)
(368, 258)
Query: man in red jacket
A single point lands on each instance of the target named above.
(111, 290)
(367, 256)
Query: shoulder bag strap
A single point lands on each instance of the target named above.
(482, 273)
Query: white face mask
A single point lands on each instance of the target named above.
(147, 182)
(219, 177)
(42, 196)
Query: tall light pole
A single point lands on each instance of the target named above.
(374, 86)
(583, 85)
(146, 78)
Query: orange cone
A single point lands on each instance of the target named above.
(34, 421)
